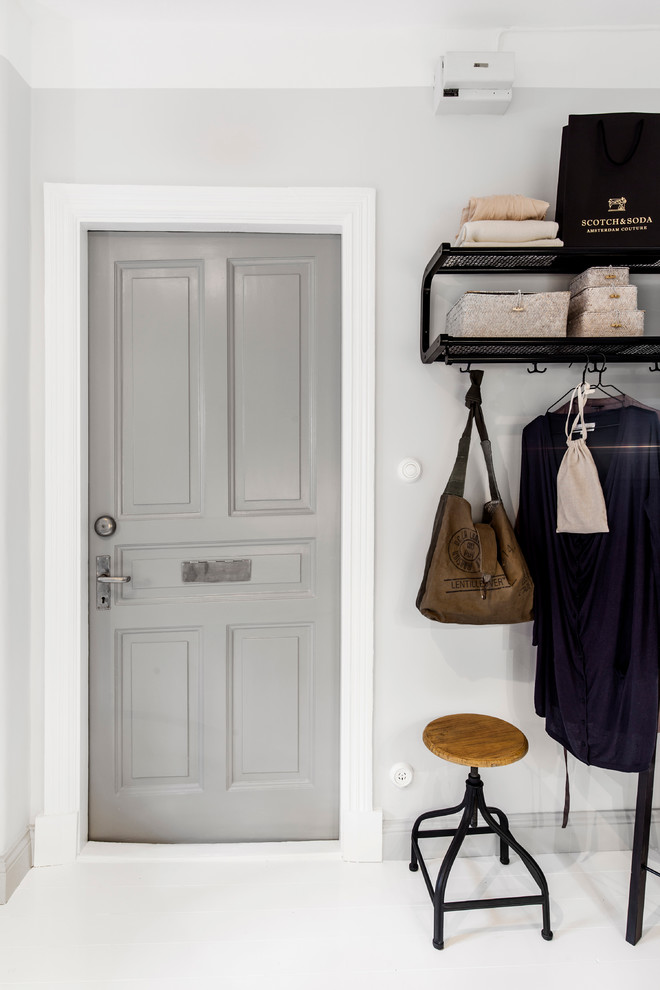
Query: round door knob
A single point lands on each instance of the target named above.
(105, 526)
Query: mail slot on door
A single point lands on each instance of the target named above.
(215, 571)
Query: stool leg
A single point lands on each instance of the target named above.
(470, 803)
(504, 824)
(530, 863)
(414, 835)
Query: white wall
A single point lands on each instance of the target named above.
(264, 46)
(15, 414)
(423, 168)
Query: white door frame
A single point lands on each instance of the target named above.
(70, 211)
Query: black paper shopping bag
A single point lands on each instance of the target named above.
(608, 190)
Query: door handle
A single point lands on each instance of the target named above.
(103, 579)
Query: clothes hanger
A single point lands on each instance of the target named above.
(572, 388)
(603, 385)
(600, 384)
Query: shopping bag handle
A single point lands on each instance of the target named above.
(639, 127)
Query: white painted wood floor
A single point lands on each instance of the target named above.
(319, 924)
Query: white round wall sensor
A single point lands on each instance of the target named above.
(410, 469)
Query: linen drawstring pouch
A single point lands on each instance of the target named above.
(580, 500)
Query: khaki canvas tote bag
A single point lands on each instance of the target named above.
(475, 572)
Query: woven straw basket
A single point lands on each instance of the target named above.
(625, 323)
(509, 314)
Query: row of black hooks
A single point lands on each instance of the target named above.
(535, 370)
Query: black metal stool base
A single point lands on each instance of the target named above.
(472, 804)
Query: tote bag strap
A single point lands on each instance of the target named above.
(637, 137)
(456, 483)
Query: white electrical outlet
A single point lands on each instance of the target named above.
(401, 774)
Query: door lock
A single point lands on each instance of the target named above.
(105, 526)
(103, 579)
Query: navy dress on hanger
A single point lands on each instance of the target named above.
(597, 598)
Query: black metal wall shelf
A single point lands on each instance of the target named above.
(531, 350)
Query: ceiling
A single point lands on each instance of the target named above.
(455, 14)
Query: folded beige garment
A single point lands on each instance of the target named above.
(507, 230)
(544, 242)
(504, 207)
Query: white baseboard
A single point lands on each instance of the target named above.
(14, 865)
(587, 831)
(55, 839)
(362, 836)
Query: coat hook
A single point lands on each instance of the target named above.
(466, 369)
(585, 369)
(535, 370)
(655, 367)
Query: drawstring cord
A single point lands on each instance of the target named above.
(567, 794)
(581, 392)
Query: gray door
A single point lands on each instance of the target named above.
(214, 443)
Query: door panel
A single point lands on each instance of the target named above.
(165, 573)
(160, 389)
(271, 705)
(272, 454)
(158, 717)
(214, 442)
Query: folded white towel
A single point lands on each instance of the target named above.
(544, 242)
(508, 230)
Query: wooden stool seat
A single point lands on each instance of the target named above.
(475, 740)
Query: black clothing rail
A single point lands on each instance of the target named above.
(639, 866)
(543, 350)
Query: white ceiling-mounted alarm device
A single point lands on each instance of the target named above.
(473, 82)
